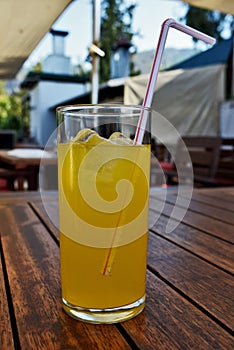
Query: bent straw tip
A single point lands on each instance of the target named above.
(168, 21)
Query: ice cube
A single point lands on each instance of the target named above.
(89, 137)
(83, 135)
(120, 139)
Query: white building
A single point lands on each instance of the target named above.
(49, 87)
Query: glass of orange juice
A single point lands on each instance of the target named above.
(103, 211)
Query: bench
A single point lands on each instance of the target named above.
(204, 152)
(16, 177)
(226, 160)
(7, 139)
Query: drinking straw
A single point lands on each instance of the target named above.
(170, 22)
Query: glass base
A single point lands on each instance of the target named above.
(111, 315)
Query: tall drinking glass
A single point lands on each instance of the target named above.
(103, 211)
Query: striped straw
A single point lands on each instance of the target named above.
(170, 22)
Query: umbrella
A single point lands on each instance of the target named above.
(219, 5)
(23, 24)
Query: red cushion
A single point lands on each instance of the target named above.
(222, 180)
(3, 185)
(166, 165)
(3, 182)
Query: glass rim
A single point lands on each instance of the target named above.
(73, 108)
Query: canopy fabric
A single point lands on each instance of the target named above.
(23, 24)
(189, 99)
(219, 5)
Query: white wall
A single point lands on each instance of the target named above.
(45, 95)
(57, 65)
(227, 119)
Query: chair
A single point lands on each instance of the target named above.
(16, 178)
(226, 161)
(7, 139)
(204, 153)
(159, 160)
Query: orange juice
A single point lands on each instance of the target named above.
(103, 210)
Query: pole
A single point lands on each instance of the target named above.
(95, 57)
(232, 86)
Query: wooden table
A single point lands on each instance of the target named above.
(29, 159)
(190, 284)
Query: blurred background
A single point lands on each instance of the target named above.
(98, 51)
(48, 53)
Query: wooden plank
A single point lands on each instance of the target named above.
(50, 217)
(212, 249)
(6, 336)
(14, 197)
(222, 197)
(225, 194)
(170, 322)
(209, 287)
(207, 209)
(32, 260)
(215, 227)
(214, 201)
(201, 157)
(21, 196)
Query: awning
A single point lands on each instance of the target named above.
(23, 24)
(219, 5)
(188, 98)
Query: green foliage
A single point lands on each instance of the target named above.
(82, 73)
(12, 113)
(116, 24)
(210, 22)
(37, 67)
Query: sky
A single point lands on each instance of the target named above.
(148, 18)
